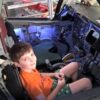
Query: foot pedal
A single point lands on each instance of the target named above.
(68, 57)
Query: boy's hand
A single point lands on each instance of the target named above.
(61, 82)
(59, 75)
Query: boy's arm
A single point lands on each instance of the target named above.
(48, 74)
(54, 93)
(55, 75)
(60, 84)
(51, 96)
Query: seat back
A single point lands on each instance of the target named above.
(10, 75)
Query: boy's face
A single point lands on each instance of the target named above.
(27, 62)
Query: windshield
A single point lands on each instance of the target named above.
(37, 8)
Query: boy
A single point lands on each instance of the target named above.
(45, 86)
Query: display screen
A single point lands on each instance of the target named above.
(92, 36)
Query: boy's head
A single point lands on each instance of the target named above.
(23, 56)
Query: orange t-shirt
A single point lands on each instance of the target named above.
(35, 84)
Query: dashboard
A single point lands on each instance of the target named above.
(85, 32)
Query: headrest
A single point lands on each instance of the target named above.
(11, 78)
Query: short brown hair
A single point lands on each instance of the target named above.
(18, 50)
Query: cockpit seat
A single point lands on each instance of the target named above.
(10, 75)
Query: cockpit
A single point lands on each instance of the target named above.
(59, 31)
